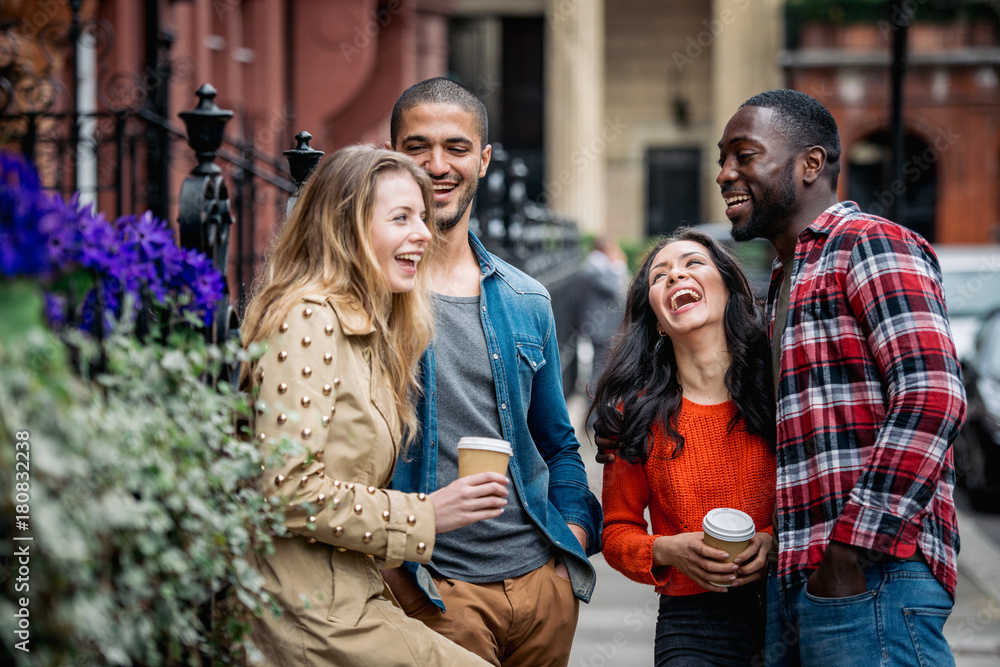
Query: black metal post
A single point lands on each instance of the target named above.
(204, 217)
(74, 126)
(301, 161)
(30, 140)
(120, 117)
(900, 23)
(155, 79)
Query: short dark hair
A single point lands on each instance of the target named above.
(804, 121)
(440, 90)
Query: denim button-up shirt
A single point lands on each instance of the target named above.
(546, 468)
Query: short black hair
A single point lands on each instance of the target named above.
(440, 90)
(804, 121)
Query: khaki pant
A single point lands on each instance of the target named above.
(528, 620)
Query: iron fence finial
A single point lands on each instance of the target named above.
(302, 159)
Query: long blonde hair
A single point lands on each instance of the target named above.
(325, 248)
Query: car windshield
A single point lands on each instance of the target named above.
(990, 348)
(972, 292)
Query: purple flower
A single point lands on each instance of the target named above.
(55, 310)
(150, 234)
(202, 281)
(27, 216)
(152, 243)
(46, 237)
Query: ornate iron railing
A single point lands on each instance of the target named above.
(117, 149)
(118, 152)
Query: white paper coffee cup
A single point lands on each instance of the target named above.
(477, 455)
(729, 530)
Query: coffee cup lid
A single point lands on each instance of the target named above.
(729, 525)
(489, 444)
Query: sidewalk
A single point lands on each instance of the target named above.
(617, 627)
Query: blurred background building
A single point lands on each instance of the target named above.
(608, 111)
(614, 106)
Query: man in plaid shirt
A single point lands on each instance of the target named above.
(869, 396)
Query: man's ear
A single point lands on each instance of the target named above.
(485, 157)
(814, 164)
(389, 146)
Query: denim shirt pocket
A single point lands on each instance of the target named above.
(530, 360)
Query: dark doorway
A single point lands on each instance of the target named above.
(673, 195)
(875, 188)
(502, 60)
(524, 96)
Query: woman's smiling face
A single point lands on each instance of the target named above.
(686, 290)
(399, 233)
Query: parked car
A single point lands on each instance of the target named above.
(971, 289)
(977, 449)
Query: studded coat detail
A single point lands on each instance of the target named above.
(317, 386)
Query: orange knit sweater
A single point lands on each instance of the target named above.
(715, 469)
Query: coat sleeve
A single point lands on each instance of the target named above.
(318, 476)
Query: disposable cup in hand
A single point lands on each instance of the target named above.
(729, 530)
(477, 455)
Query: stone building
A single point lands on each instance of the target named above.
(633, 96)
(615, 106)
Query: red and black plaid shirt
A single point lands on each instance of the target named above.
(870, 398)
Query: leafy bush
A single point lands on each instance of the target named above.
(141, 503)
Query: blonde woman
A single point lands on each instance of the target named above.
(344, 314)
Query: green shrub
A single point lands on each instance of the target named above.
(142, 509)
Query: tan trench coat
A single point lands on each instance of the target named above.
(316, 387)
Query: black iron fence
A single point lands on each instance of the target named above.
(118, 150)
(537, 241)
(108, 136)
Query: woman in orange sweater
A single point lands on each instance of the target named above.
(685, 395)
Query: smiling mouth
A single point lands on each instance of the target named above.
(734, 201)
(683, 298)
(444, 188)
(409, 260)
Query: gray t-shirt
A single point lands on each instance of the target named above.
(511, 544)
(780, 319)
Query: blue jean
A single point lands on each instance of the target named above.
(711, 629)
(899, 620)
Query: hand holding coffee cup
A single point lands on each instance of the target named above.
(468, 500)
(480, 492)
(729, 530)
(477, 455)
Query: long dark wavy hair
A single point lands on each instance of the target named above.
(639, 386)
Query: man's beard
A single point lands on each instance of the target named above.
(448, 222)
(769, 217)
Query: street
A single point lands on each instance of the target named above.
(618, 625)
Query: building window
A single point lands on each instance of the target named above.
(876, 189)
(673, 195)
(502, 60)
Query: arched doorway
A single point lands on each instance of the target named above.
(875, 188)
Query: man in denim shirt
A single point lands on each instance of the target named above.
(506, 588)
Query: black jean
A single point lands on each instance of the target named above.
(711, 628)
